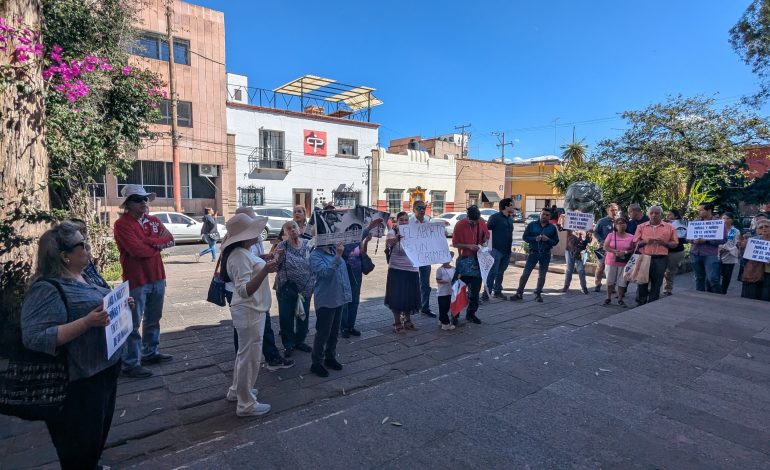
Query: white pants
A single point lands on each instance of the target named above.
(247, 361)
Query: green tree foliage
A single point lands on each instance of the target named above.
(574, 153)
(750, 37)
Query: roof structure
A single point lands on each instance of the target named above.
(326, 89)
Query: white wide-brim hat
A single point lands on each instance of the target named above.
(134, 190)
(243, 227)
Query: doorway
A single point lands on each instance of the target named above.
(304, 197)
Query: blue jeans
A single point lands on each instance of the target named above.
(425, 287)
(212, 247)
(293, 330)
(269, 350)
(147, 311)
(575, 263)
(542, 259)
(350, 310)
(495, 278)
(707, 273)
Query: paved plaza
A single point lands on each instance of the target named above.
(681, 383)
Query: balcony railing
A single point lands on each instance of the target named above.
(262, 158)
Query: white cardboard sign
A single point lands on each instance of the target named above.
(121, 324)
(581, 221)
(486, 260)
(757, 250)
(425, 244)
(706, 229)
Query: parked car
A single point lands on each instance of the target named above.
(276, 217)
(533, 218)
(486, 213)
(183, 227)
(518, 217)
(451, 219)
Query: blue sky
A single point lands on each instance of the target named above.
(513, 66)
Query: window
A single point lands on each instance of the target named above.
(155, 46)
(97, 187)
(251, 196)
(183, 113)
(157, 177)
(201, 186)
(473, 198)
(178, 219)
(347, 147)
(439, 197)
(394, 202)
(162, 217)
(238, 95)
(271, 152)
(346, 199)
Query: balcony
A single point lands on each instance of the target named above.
(267, 159)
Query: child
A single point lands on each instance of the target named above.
(444, 276)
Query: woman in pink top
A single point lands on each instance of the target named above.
(619, 246)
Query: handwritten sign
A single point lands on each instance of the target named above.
(425, 244)
(121, 324)
(757, 250)
(574, 220)
(706, 229)
(486, 260)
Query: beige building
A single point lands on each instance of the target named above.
(207, 162)
(479, 182)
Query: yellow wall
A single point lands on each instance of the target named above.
(529, 181)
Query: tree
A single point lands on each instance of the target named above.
(574, 153)
(687, 135)
(750, 37)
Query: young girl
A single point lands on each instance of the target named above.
(444, 276)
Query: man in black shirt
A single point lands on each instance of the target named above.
(500, 226)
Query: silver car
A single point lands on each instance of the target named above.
(276, 217)
(451, 219)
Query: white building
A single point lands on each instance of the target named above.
(398, 180)
(307, 142)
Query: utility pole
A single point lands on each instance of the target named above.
(501, 137)
(175, 170)
(462, 139)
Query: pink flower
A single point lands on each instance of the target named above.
(105, 66)
(126, 70)
(89, 67)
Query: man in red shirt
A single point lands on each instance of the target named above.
(140, 238)
(468, 235)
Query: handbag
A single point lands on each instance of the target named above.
(33, 385)
(754, 271)
(620, 258)
(216, 294)
(468, 266)
(299, 309)
(367, 265)
(215, 235)
(642, 271)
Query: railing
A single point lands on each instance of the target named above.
(262, 158)
(302, 104)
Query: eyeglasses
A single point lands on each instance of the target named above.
(419, 208)
(138, 199)
(72, 247)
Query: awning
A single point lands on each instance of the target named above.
(489, 196)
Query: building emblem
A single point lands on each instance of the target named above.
(315, 143)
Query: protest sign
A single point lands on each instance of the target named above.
(757, 250)
(121, 324)
(331, 226)
(486, 260)
(368, 214)
(574, 220)
(424, 244)
(706, 229)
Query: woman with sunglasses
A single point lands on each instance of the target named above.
(63, 313)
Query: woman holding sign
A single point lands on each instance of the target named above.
(756, 274)
(63, 313)
(402, 289)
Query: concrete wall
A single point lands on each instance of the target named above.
(477, 176)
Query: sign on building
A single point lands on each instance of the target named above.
(315, 143)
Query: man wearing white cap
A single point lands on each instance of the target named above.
(140, 238)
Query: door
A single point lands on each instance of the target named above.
(304, 197)
(183, 227)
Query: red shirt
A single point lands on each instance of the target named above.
(464, 233)
(140, 243)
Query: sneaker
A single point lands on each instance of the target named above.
(455, 321)
(232, 398)
(137, 372)
(585, 290)
(288, 352)
(280, 363)
(666, 294)
(258, 410)
(598, 288)
(157, 358)
(538, 298)
(499, 295)
(197, 257)
(517, 297)
(621, 303)
(332, 363)
(484, 297)
(447, 326)
(473, 319)
(355, 332)
(346, 333)
(427, 312)
(303, 347)
(319, 370)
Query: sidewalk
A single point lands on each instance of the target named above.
(183, 404)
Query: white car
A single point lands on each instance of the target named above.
(183, 227)
(451, 219)
(486, 213)
(276, 217)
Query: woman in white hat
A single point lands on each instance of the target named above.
(251, 300)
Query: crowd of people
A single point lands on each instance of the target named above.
(63, 312)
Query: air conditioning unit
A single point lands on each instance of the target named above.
(207, 170)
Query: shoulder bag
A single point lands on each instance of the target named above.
(216, 294)
(619, 258)
(753, 272)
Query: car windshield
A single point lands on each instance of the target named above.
(448, 215)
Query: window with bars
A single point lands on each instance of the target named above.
(394, 202)
(473, 198)
(251, 196)
(437, 202)
(157, 177)
(183, 113)
(155, 46)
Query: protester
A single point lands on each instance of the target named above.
(209, 232)
(759, 290)
(729, 252)
(140, 238)
(541, 236)
(603, 227)
(353, 257)
(332, 292)
(419, 216)
(294, 283)
(676, 254)
(402, 288)
(90, 272)
(501, 229)
(619, 247)
(251, 301)
(444, 276)
(577, 243)
(654, 238)
(71, 322)
(469, 234)
(300, 218)
(636, 217)
(704, 256)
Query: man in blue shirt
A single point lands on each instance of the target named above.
(541, 236)
(603, 227)
(636, 217)
(501, 227)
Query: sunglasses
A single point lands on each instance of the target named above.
(72, 247)
(420, 208)
(138, 199)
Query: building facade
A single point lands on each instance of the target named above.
(478, 182)
(526, 184)
(309, 154)
(398, 180)
(199, 53)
